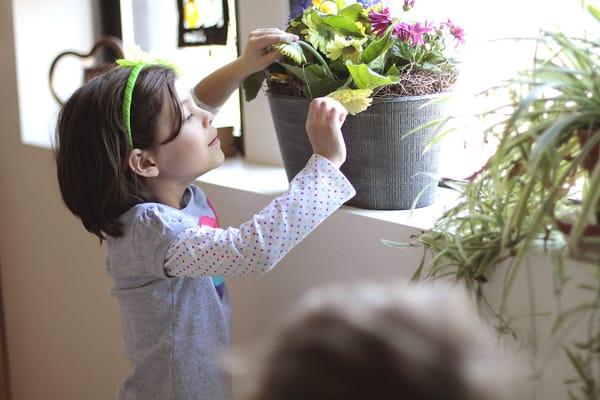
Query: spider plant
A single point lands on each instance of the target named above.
(540, 189)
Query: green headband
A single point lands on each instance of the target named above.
(136, 67)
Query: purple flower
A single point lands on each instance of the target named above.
(418, 31)
(298, 7)
(456, 31)
(380, 21)
(408, 4)
(413, 33)
(402, 31)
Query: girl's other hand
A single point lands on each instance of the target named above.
(258, 54)
(323, 125)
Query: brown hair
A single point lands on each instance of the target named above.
(381, 342)
(91, 147)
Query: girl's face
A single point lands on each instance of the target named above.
(195, 150)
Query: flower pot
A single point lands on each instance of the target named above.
(588, 246)
(388, 172)
(591, 160)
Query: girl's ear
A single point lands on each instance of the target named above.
(142, 163)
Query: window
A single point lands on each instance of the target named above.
(153, 25)
(42, 30)
(487, 60)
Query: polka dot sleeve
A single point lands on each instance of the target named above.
(258, 245)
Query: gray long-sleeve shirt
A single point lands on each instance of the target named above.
(175, 322)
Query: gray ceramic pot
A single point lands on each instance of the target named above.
(387, 171)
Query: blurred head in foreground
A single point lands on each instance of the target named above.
(372, 341)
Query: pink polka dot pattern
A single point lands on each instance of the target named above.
(258, 245)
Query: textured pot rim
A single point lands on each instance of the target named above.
(375, 100)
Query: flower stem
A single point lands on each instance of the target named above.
(318, 56)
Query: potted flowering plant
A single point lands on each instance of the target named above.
(385, 70)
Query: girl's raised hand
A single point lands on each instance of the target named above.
(258, 54)
(323, 126)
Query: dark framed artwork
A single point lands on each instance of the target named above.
(203, 22)
(110, 18)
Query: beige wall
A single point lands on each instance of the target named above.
(62, 326)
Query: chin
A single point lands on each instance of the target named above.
(221, 158)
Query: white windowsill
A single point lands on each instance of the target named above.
(240, 175)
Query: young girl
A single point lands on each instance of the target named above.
(130, 143)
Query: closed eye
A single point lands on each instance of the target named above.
(189, 117)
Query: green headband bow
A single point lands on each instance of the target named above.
(136, 67)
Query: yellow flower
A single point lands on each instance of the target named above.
(348, 49)
(360, 27)
(316, 3)
(319, 38)
(354, 100)
(328, 7)
(378, 7)
(279, 77)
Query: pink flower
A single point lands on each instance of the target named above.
(456, 31)
(418, 31)
(413, 33)
(402, 31)
(408, 4)
(380, 21)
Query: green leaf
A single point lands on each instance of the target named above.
(566, 315)
(343, 25)
(393, 71)
(594, 11)
(300, 72)
(291, 50)
(366, 78)
(353, 11)
(252, 85)
(378, 64)
(523, 105)
(377, 47)
(317, 80)
(438, 123)
(396, 245)
(577, 362)
(549, 136)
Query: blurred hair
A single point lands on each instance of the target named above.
(91, 148)
(375, 341)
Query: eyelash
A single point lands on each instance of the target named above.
(189, 117)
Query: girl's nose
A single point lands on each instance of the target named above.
(207, 118)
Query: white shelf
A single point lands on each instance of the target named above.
(240, 175)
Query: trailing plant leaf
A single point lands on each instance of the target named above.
(513, 203)
(594, 11)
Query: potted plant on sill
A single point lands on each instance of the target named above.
(541, 189)
(386, 71)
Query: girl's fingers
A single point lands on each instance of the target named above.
(262, 31)
(266, 40)
(272, 56)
